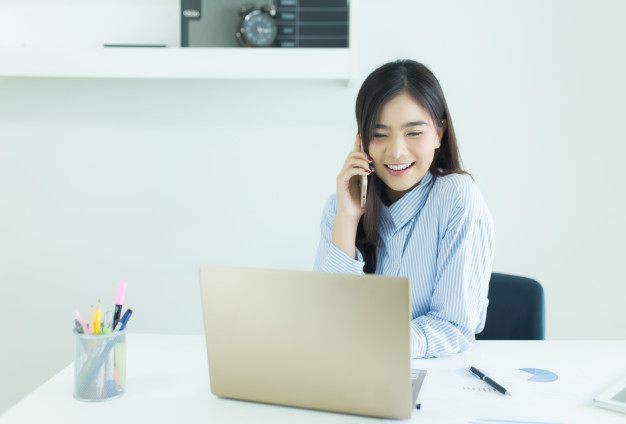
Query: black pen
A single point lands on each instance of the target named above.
(489, 381)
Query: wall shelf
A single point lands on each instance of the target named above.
(25, 52)
(202, 63)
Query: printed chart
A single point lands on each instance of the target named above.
(540, 376)
(513, 379)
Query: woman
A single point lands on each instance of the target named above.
(424, 218)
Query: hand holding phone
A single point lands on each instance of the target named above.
(352, 183)
(351, 197)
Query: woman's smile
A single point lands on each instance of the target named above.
(399, 169)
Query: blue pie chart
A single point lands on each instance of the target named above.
(540, 376)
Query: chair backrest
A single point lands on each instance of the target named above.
(516, 309)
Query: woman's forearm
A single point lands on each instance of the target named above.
(344, 234)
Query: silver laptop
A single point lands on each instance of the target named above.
(333, 342)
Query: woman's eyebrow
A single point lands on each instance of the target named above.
(407, 125)
(414, 124)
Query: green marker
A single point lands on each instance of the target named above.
(108, 322)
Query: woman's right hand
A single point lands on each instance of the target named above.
(357, 164)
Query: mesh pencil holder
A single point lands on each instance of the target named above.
(99, 366)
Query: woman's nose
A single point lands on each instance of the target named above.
(396, 148)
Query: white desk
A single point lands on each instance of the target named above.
(168, 383)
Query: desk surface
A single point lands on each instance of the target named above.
(168, 382)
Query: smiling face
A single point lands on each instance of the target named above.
(403, 145)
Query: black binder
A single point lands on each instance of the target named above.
(312, 23)
(190, 10)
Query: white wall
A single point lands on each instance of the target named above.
(143, 180)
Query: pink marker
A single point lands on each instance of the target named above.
(81, 322)
(121, 291)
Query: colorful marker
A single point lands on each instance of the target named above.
(108, 322)
(121, 291)
(124, 319)
(81, 322)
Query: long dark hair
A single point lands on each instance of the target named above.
(382, 85)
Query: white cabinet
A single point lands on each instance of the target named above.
(168, 62)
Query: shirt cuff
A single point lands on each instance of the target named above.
(338, 261)
(419, 344)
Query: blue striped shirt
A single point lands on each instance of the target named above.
(440, 235)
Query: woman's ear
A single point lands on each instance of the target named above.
(440, 131)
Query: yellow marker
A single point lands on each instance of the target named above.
(92, 317)
(98, 318)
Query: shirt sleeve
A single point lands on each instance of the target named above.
(329, 257)
(464, 262)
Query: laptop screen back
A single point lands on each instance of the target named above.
(333, 342)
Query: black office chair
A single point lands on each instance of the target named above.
(516, 309)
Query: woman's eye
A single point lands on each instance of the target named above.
(414, 134)
(380, 135)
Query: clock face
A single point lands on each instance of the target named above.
(260, 29)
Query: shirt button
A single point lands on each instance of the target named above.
(396, 262)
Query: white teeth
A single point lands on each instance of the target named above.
(398, 167)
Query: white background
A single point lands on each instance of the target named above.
(143, 180)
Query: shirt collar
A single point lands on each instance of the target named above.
(402, 211)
